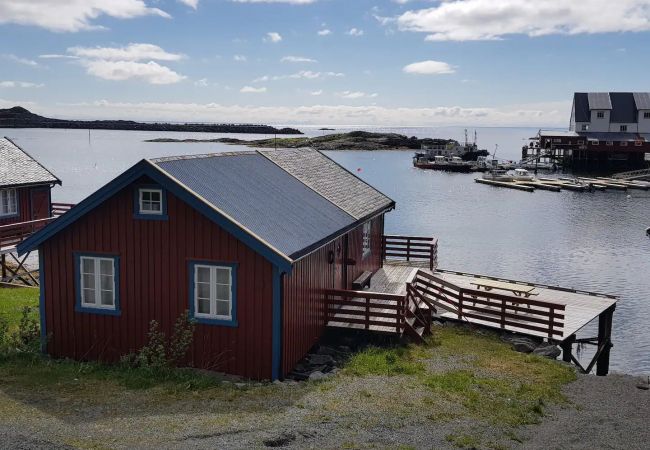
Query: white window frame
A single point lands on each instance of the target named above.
(366, 239)
(585, 127)
(97, 283)
(609, 143)
(595, 142)
(212, 315)
(150, 212)
(11, 197)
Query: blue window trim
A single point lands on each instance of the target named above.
(219, 322)
(17, 214)
(41, 299)
(136, 203)
(276, 357)
(77, 284)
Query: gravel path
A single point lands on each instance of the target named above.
(606, 413)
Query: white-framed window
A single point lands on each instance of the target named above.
(600, 114)
(8, 202)
(623, 127)
(585, 127)
(98, 283)
(213, 297)
(150, 201)
(609, 143)
(581, 142)
(596, 142)
(366, 244)
(646, 115)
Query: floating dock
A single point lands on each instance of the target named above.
(579, 184)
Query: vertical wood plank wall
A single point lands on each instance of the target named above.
(154, 284)
(303, 300)
(24, 206)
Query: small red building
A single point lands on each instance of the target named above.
(25, 186)
(246, 241)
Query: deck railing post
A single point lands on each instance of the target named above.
(551, 319)
(503, 314)
(408, 249)
(460, 304)
(604, 340)
(367, 313)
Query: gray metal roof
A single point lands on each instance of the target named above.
(581, 107)
(599, 100)
(330, 180)
(17, 168)
(609, 136)
(623, 108)
(272, 205)
(642, 100)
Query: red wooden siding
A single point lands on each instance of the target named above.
(154, 284)
(24, 205)
(303, 306)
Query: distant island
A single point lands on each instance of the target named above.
(355, 140)
(19, 117)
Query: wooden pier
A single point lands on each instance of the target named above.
(579, 184)
(405, 296)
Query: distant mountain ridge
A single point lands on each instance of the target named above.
(19, 117)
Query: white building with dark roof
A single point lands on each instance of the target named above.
(611, 112)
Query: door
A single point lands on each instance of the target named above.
(40, 203)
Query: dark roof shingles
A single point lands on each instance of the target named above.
(18, 168)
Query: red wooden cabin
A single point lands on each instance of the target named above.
(247, 242)
(25, 186)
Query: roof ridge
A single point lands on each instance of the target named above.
(58, 180)
(200, 156)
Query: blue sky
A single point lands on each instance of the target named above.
(390, 62)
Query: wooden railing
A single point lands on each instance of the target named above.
(498, 310)
(15, 233)
(58, 209)
(371, 310)
(411, 248)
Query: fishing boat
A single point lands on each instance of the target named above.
(439, 162)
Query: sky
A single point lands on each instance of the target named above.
(320, 62)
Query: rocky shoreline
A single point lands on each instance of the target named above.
(18, 117)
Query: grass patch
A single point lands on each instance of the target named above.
(385, 361)
(12, 302)
(463, 440)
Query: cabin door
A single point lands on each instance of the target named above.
(40, 203)
(339, 269)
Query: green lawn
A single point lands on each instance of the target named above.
(12, 302)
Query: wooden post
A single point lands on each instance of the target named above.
(551, 319)
(3, 263)
(567, 348)
(408, 249)
(604, 340)
(367, 313)
(460, 304)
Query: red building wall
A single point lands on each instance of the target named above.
(303, 306)
(154, 284)
(24, 206)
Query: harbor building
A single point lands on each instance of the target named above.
(608, 131)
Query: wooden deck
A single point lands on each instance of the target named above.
(580, 307)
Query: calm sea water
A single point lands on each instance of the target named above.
(592, 241)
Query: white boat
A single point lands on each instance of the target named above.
(508, 176)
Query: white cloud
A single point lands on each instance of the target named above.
(19, 60)
(132, 52)
(57, 56)
(550, 114)
(355, 32)
(324, 32)
(273, 37)
(297, 59)
(252, 90)
(316, 93)
(356, 95)
(303, 74)
(293, 2)
(467, 20)
(239, 58)
(150, 72)
(20, 84)
(429, 67)
(203, 82)
(71, 15)
(191, 3)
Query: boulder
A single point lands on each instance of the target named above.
(523, 345)
(319, 360)
(548, 351)
(317, 376)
